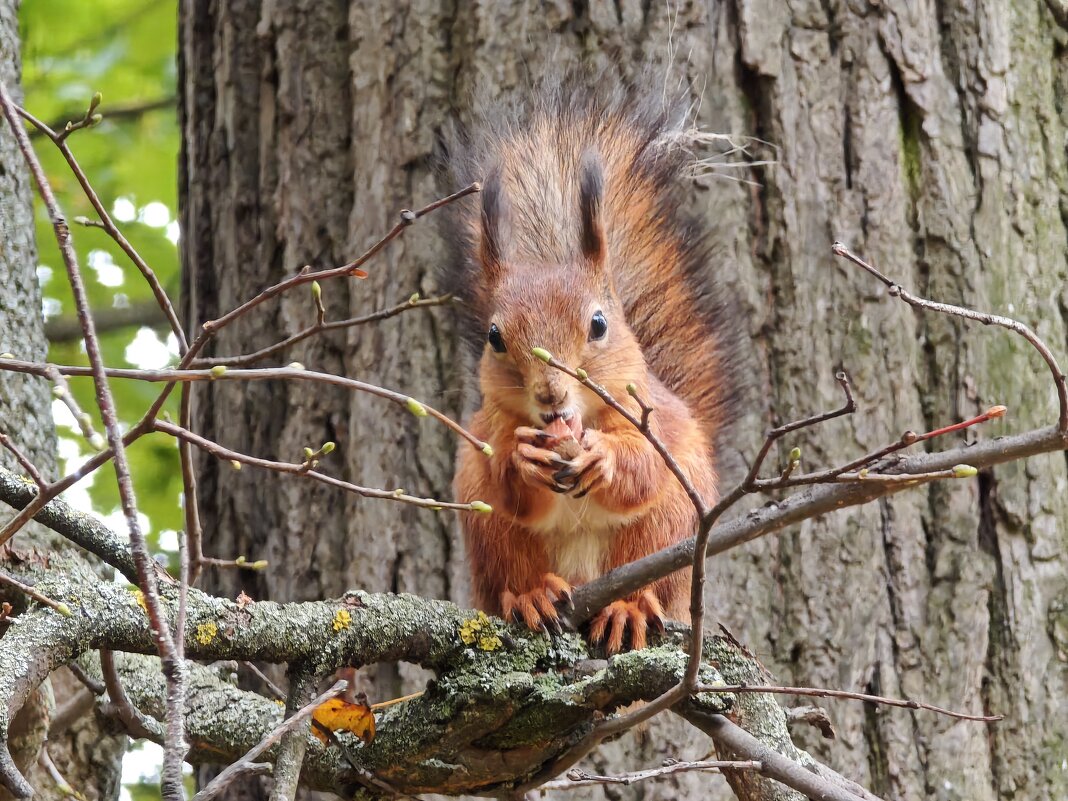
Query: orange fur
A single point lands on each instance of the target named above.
(572, 223)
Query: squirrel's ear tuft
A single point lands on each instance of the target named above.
(494, 208)
(591, 190)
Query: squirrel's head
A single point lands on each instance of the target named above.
(569, 309)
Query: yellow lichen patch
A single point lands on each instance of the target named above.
(342, 619)
(489, 642)
(471, 633)
(206, 632)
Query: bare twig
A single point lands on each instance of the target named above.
(293, 742)
(274, 688)
(850, 406)
(301, 469)
(580, 778)
(158, 292)
(126, 111)
(289, 373)
(24, 460)
(347, 270)
(414, 302)
(804, 505)
(733, 739)
(819, 692)
(174, 750)
(26, 589)
(62, 784)
(896, 290)
(145, 313)
(136, 723)
(246, 763)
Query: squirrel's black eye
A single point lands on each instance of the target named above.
(598, 326)
(495, 340)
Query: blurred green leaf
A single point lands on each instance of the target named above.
(124, 49)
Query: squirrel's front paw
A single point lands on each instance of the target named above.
(618, 616)
(537, 607)
(535, 462)
(591, 469)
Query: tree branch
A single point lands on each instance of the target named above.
(803, 505)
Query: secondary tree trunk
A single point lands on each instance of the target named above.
(929, 137)
(89, 760)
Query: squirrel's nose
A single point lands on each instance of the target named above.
(551, 395)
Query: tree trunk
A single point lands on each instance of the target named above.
(930, 139)
(88, 760)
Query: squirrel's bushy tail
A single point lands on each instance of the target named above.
(659, 254)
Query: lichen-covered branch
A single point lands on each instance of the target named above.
(505, 702)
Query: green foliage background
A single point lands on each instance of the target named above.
(124, 49)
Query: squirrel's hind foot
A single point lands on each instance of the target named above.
(618, 616)
(537, 607)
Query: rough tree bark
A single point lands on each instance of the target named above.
(927, 135)
(90, 760)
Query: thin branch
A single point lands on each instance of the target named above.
(119, 112)
(301, 469)
(800, 506)
(274, 688)
(26, 589)
(62, 392)
(45, 761)
(293, 742)
(347, 270)
(850, 406)
(246, 763)
(251, 358)
(174, 750)
(290, 373)
(24, 460)
(875, 457)
(68, 329)
(896, 290)
(606, 396)
(158, 292)
(580, 778)
(819, 692)
(136, 724)
(733, 739)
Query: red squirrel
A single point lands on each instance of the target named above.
(578, 244)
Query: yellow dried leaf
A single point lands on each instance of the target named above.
(338, 714)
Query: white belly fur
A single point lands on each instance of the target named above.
(578, 534)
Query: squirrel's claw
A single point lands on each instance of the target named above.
(611, 623)
(535, 437)
(537, 466)
(536, 607)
